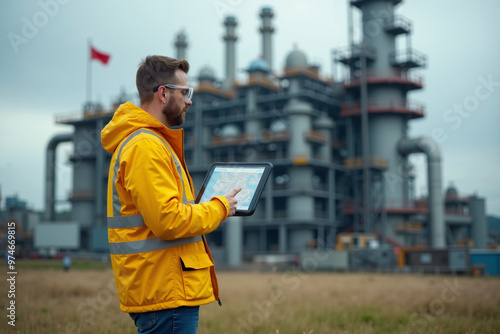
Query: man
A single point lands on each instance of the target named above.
(161, 262)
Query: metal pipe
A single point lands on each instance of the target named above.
(350, 28)
(230, 38)
(234, 241)
(269, 201)
(267, 30)
(428, 146)
(332, 218)
(479, 222)
(367, 198)
(100, 212)
(181, 45)
(50, 173)
(283, 237)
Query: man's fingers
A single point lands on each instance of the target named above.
(234, 192)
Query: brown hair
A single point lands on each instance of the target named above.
(154, 71)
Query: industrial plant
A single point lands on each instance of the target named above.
(342, 178)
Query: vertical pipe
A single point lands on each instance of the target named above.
(269, 200)
(325, 125)
(89, 74)
(384, 214)
(181, 45)
(50, 180)
(365, 148)
(436, 206)
(283, 238)
(199, 133)
(230, 38)
(331, 207)
(435, 203)
(99, 176)
(479, 222)
(50, 174)
(263, 239)
(321, 236)
(234, 241)
(267, 30)
(350, 28)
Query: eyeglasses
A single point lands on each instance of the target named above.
(187, 93)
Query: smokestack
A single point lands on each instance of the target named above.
(267, 30)
(181, 45)
(230, 38)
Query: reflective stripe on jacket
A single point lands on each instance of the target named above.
(159, 255)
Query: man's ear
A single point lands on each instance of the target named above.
(161, 95)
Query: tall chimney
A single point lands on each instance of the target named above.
(230, 38)
(267, 30)
(181, 45)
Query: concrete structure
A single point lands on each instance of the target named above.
(339, 148)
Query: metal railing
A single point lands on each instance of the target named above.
(268, 135)
(287, 214)
(230, 140)
(315, 136)
(390, 203)
(398, 21)
(357, 2)
(357, 162)
(403, 75)
(81, 194)
(409, 227)
(457, 212)
(349, 53)
(301, 187)
(408, 56)
(384, 104)
(81, 115)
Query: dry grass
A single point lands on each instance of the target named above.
(52, 301)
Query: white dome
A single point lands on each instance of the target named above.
(206, 73)
(296, 58)
(259, 65)
(278, 125)
(230, 130)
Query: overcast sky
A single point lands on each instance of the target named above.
(44, 52)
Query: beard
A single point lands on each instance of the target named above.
(174, 114)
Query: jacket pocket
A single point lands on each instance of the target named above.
(196, 276)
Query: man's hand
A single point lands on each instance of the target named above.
(232, 201)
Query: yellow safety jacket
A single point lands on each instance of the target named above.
(159, 255)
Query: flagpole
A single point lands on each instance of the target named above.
(89, 73)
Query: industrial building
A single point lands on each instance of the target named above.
(339, 148)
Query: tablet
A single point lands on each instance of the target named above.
(223, 177)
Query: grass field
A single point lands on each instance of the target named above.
(84, 301)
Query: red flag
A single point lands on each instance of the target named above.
(102, 57)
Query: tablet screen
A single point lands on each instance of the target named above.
(225, 178)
